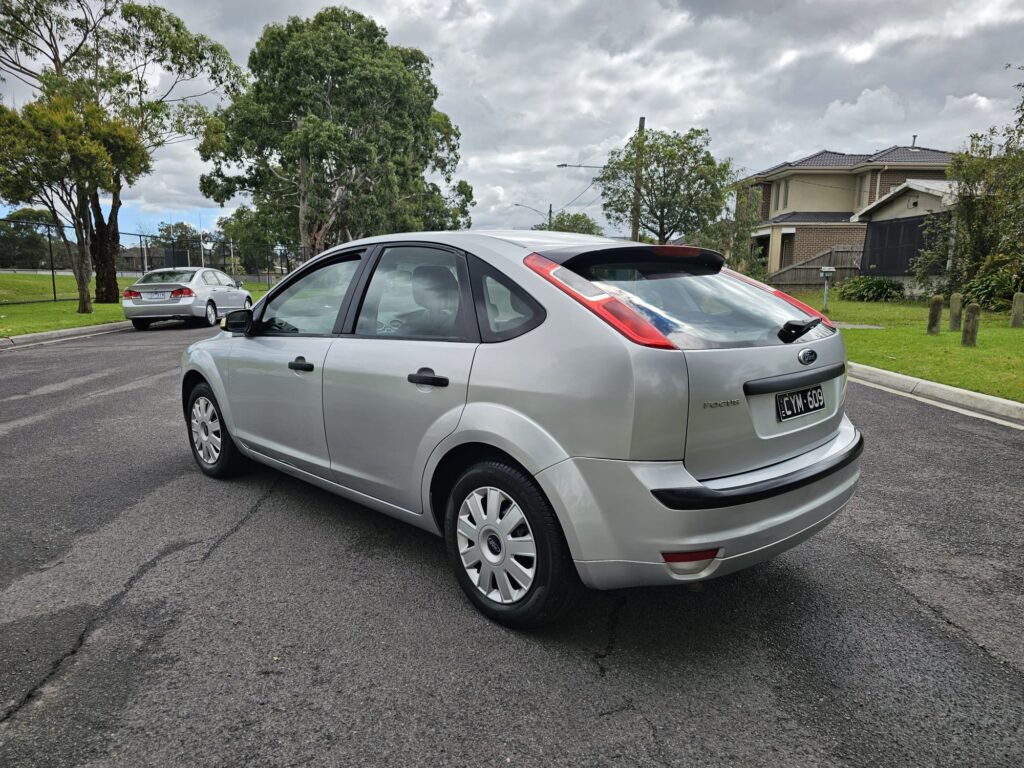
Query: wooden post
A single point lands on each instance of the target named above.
(956, 305)
(935, 315)
(972, 316)
(1017, 313)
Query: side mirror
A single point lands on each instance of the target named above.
(239, 321)
(239, 283)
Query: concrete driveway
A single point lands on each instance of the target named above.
(151, 616)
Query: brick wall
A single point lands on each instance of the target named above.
(895, 178)
(811, 240)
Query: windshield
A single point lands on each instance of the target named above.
(169, 276)
(701, 311)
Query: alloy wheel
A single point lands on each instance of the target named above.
(211, 314)
(496, 545)
(206, 431)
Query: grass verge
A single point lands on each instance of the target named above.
(994, 367)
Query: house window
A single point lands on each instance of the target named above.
(785, 194)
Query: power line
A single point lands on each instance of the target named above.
(577, 196)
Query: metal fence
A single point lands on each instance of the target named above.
(36, 252)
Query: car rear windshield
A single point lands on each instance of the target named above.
(697, 310)
(170, 276)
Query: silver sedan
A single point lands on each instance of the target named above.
(195, 294)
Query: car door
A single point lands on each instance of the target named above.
(274, 377)
(212, 290)
(396, 385)
(232, 296)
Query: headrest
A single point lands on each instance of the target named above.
(434, 287)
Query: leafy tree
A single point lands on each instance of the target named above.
(340, 126)
(732, 232)
(23, 241)
(254, 233)
(563, 221)
(683, 187)
(58, 152)
(138, 63)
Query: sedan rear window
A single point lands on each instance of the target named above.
(697, 310)
(169, 276)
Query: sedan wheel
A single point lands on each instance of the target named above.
(247, 304)
(211, 314)
(496, 545)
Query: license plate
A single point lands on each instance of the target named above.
(789, 405)
(157, 295)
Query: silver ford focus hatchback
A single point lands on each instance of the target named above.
(563, 410)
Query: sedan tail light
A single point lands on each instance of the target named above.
(130, 294)
(178, 293)
(618, 315)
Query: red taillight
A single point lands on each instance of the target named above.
(784, 296)
(130, 294)
(178, 293)
(618, 315)
(689, 557)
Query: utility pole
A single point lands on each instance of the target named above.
(549, 217)
(638, 178)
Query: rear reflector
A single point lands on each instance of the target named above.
(618, 315)
(689, 557)
(177, 293)
(130, 294)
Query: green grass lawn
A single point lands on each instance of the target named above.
(994, 367)
(16, 319)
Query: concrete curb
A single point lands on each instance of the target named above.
(964, 398)
(7, 342)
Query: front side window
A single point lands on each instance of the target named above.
(417, 292)
(699, 310)
(225, 280)
(311, 304)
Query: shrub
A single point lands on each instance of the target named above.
(865, 288)
(994, 285)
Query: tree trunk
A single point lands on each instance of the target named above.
(81, 265)
(105, 247)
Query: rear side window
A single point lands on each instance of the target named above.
(504, 310)
(210, 278)
(700, 310)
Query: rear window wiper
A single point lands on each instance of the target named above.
(794, 329)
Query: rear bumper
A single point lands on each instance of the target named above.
(618, 528)
(181, 309)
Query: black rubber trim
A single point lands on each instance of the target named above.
(703, 497)
(793, 380)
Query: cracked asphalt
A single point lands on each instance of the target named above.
(152, 616)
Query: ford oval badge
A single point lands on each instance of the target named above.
(807, 356)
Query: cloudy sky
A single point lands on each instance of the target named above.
(533, 83)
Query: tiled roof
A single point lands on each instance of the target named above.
(811, 217)
(826, 158)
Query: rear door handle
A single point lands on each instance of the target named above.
(300, 364)
(426, 376)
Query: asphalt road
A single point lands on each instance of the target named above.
(152, 616)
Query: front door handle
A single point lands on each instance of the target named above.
(300, 364)
(426, 376)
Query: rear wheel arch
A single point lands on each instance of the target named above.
(454, 463)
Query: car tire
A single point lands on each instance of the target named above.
(221, 460)
(247, 304)
(554, 584)
(140, 325)
(210, 317)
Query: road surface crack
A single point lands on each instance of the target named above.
(655, 751)
(238, 525)
(613, 629)
(105, 610)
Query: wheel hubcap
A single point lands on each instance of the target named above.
(496, 545)
(211, 314)
(206, 433)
